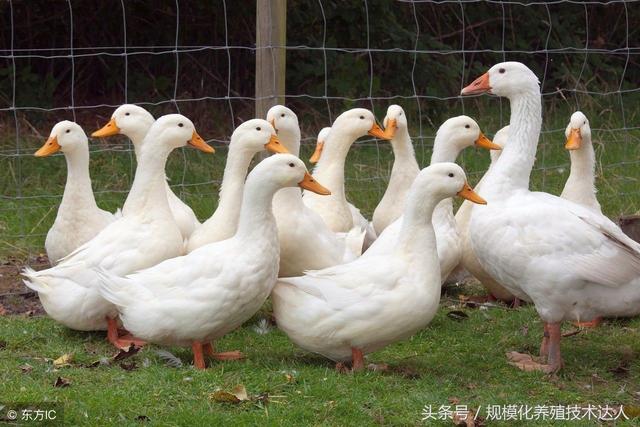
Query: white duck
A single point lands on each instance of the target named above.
(322, 136)
(198, 298)
(306, 243)
(349, 310)
(468, 261)
(580, 186)
(572, 262)
(335, 210)
(453, 136)
(145, 235)
(405, 169)
(246, 142)
(79, 218)
(134, 122)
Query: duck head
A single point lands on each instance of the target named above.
(175, 130)
(65, 136)
(285, 122)
(463, 132)
(256, 135)
(322, 136)
(286, 170)
(577, 130)
(129, 120)
(504, 79)
(395, 120)
(358, 122)
(444, 180)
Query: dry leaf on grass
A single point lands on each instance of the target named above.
(466, 419)
(62, 382)
(458, 315)
(26, 368)
(64, 360)
(3, 311)
(236, 395)
(123, 354)
(128, 366)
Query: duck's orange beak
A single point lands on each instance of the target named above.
(468, 193)
(574, 141)
(390, 129)
(484, 142)
(109, 129)
(377, 131)
(309, 183)
(317, 153)
(196, 141)
(50, 146)
(479, 85)
(275, 146)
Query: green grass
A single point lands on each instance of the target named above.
(449, 359)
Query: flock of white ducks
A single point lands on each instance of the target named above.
(341, 286)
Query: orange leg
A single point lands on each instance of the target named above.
(208, 349)
(112, 331)
(515, 303)
(357, 358)
(198, 357)
(553, 362)
(121, 342)
(544, 347)
(592, 324)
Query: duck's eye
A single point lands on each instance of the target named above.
(258, 128)
(361, 117)
(450, 174)
(282, 115)
(400, 114)
(502, 71)
(68, 130)
(291, 165)
(180, 124)
(127, 114)
(467, 126)
(585, 122)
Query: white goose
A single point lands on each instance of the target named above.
(145, 235)
(468, 261)
(306, 243)
(245, 143)
(134, 122)
(404, 171)
(453, 136)
(198, 298)
(572, 262)
(335, 210)
(349, 310)
(580, 186)
(79, 218)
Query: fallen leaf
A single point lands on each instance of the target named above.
(3, 345)
(466, 419)
(62, 382)
(3, 311)
(142, 418)
(454, 400)
(571, 333)
(457, 315)
(64, 360)
(26, 368)
(236, 395)
(123, 354)
(129, 366)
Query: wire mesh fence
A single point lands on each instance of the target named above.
(79, 60)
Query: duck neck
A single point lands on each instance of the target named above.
(256, 221)
(513, 168)
(581, 179)
(291, 140)
(444, 150)
(330, 168)
(148, 195)
(233, 182)
(77, 190)
(404, 156)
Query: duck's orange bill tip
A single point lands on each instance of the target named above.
(50, 146)
(377, 131)
(468, 193)
(479, 85)
(484, 142)
(317, 153)
(390, 129)
(574, 141)
(196, 141)
(109, 129)
(275, 146)
(309, 183)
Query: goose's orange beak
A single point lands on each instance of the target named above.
(309, 183)
(377, 131)
(109, 129)
(468, 193)
(50, 146)
(574, 141)
(479, 85)
(390, 129)
(317, 152)
(196, 141)
(484, 142)
(275, 146)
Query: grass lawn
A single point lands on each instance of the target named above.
(451, 362)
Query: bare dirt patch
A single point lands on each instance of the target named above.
(15, 297)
